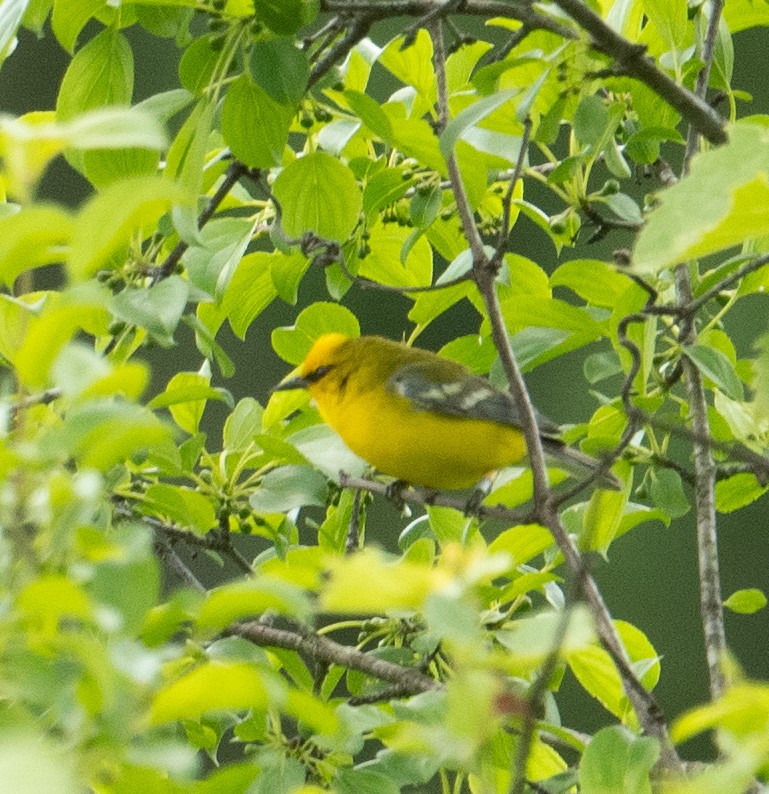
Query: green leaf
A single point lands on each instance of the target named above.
(53, 325)
(197, 65)
(242, 425)
(183, 506)
(384, 264)
(287, 271)
(106, 225)
(289, 487)
(114, 128)
(591, 119)
(469, 117)
(412, 65)
(11, 14)
(33, 237)
(254, 125)
(157, 309)
(102, 433)
(617, 760)
(602, 518)
(319, 194)
(68, 19)
(524, 311)
(714, 364)
(185, 161)
(522, 543)
(532, 639)
(128, 582)
(186, 395)
(384, 189)
(250, 599)
(212, 263)
(15, 316)
(746, 602)
(30, 761)
(281, 69)
(364, 781)
(729, 186)
(101, 73)
(669, 17)
(292, 344)
(738, 491)
(249, 293)
(668, 493)
(80, 371)
(425, 206)
(285, 17)
(212, 687)
(597, 282)
(320, 445)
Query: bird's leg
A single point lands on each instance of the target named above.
(394, 492)
(480, 492)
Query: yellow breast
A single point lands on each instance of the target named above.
(420, 447)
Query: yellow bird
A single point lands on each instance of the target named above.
(419, 417)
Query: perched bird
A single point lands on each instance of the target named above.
(421, 418)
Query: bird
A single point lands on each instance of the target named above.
(421, 418)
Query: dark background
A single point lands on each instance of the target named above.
(651, 577)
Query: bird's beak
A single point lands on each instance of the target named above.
(297, 382)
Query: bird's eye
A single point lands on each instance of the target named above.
(318, 373)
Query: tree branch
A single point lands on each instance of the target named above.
(634, 62)
(704, 465)
(649, 713)
(235, 171)
(410, 680)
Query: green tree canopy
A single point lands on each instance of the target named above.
(192, 605)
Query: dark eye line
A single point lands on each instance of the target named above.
(318, 373)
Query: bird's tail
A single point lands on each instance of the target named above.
(578, 464)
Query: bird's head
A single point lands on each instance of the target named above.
(321, 359)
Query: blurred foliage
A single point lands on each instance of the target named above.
(277, 155)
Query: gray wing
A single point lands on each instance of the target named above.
(462, 395)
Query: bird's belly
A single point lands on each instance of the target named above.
(422, 447)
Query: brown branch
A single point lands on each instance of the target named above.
(504, 232)
(215, 540)
(632, 59)
(44, 398)
(705, 504)
(423, 496)
(703, 78)
(649, 713)
(359, 27)
(168, 554)
(231, 177)
(711, 610)
(410, 680)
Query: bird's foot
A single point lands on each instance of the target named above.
(394, 492)
(480, 492)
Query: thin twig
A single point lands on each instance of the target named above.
(633, 60)
(703, 78)
(409, 679)
(649, 713)
(504, 232)
(44, 398)
(711, 610)
(235, 171)
(534, 700)
(440, 9)
(352, 543)
(423, 496)
(359, 27)
(168, 554)
(705, 506)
